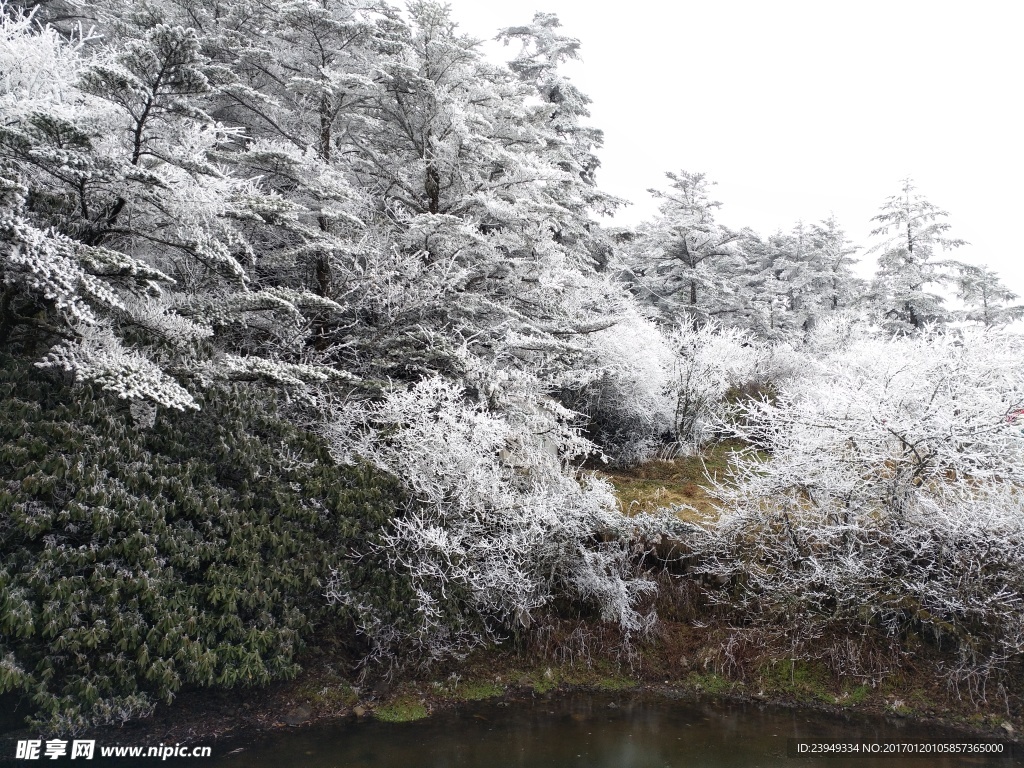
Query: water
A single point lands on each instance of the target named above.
(596, 731)
(582, 731)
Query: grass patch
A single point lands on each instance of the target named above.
(804, 680)
(542, 679)
(478, 690)
(678, 482)
(708, 682)
(602, 675)
(402, 710)
(857, 696)
(327, 690)
(615, 683)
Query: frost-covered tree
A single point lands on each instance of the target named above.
(794, 279)
(908, 266)
(777, 274)
(124, 257)
(568, 142)
(984, 295)
(835, 254)
(684, 261)
(65, 288)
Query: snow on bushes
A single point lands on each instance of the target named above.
(710, 361)
(890, 498)
(499, 528)
(625, 388)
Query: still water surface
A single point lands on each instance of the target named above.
(595, 731)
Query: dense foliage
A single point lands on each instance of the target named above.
(136, 562)
(890, 506)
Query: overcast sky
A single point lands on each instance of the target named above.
(799, 109)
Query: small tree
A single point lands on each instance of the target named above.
(985, 296)
(907, 264)
(683, 261)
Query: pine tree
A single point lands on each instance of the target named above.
(835, 254)
(124, 256)
(569, 143)
(907, 265)
(684, 261)
(985, 296)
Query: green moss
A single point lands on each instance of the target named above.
(708, 682)
(615, 683)
(478, 690)
(544, 686)
(857, 696)
(541, 680)
(402, 710)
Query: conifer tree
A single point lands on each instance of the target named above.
(569, 143)
(684, 260)
(908, 266)
(835, 253)
(984, 296)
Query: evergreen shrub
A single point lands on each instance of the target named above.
(135, 561)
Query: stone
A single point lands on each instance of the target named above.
(298, 715)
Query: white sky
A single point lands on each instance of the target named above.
(798, 109)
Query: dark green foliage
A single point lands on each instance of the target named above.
(137, 561)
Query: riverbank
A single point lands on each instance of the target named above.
(678, 662)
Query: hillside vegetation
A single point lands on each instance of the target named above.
(311, 333)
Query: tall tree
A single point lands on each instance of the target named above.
(569, 143)
(123, 253)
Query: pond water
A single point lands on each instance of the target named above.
(592, 731)
(598, 731)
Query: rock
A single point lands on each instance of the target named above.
(359, 710)
(1007, 727)
(299, 715)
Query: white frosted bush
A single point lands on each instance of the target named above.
(499, 526)
(710, 361)
(891, 496)
(629, 387)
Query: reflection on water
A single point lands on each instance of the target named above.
(592, 731)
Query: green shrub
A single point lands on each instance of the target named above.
(136, 561)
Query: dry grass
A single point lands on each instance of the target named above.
(679, 482)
